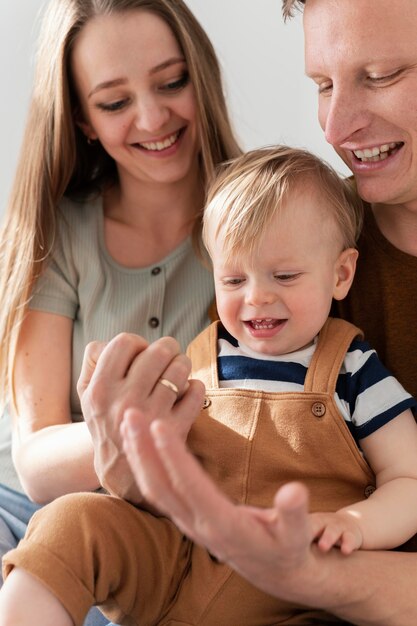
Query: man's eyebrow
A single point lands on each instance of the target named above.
(107, 84)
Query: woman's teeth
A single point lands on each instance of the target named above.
(378, 153)
(161, 145)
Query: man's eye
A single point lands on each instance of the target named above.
(386, 78)
(325, 88)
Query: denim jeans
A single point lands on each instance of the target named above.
(15, 512)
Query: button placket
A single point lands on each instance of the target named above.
(155, 321)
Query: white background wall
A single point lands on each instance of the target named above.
(270, 99)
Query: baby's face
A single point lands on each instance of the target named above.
(276, 301)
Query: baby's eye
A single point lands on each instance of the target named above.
(233, 281)
(285, 278)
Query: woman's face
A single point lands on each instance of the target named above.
(136, 97)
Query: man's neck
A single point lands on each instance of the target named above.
(398, 224)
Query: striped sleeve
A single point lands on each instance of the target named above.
(369, 393)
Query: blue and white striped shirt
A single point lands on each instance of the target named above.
(367, 395)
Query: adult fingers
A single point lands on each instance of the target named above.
(150, 365)
(171, 384)
(188, 407)
(91, 355)
(139, 448)
(142, 453)
(292, 525)
(192, 500)
(109, 361)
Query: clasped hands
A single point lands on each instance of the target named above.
(127, 376)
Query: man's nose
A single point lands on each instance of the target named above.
(342, 115)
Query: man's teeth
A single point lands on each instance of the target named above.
(263, 323)
(161, 145)
(378, 153)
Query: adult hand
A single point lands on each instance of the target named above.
(269, 546)
(272, 547)
(122, 374)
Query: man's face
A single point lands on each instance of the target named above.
(362, 54)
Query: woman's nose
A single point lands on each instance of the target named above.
(152, 115)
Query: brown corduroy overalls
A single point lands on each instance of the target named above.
(142, 569)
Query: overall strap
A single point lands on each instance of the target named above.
(203, 354)
(334, 340)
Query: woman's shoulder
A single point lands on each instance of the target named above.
(79, 225)
(80, 212)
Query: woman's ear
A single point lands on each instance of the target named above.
(345, 267)
(87, 130)
(84, 126)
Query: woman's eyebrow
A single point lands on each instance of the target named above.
(107, 84)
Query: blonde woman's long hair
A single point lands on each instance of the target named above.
(56, 159)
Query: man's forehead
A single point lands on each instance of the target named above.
(383, 11)
(362, 30)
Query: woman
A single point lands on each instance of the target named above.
(127, 123)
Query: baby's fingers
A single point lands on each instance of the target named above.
(331, 536)
(350, 541)
(318, 523)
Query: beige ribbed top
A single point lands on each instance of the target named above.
(103, 298)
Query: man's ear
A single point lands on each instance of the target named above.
(345, 267)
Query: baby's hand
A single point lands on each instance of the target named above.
(336, 529)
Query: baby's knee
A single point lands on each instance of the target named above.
(70, 546)
(69, 517)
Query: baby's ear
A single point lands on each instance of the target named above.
(345, 267)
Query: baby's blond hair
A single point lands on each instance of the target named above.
(249, 190)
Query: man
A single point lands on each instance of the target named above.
(363, 56)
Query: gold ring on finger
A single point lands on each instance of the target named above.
(167, 383)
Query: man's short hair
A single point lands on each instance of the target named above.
(290, 6)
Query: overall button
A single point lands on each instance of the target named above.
(318, 409)
(156, 271)
(154, 322)
(369, 490)
(206, 403)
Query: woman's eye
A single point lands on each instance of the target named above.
(112, 106)
(176, 85)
